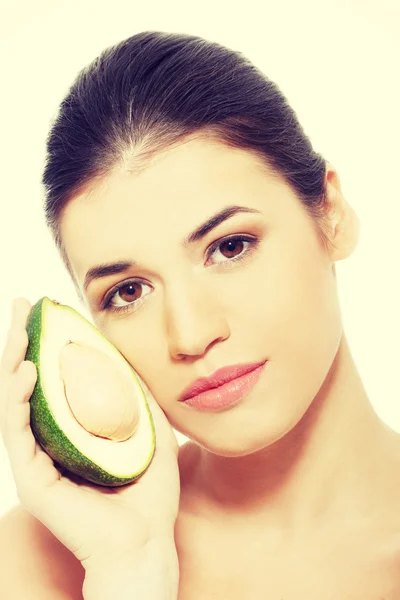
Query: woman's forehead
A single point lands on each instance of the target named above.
(199, 173)
(181, 189)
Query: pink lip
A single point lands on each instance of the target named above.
(227, 394)
(220, 378)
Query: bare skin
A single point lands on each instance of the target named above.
(222, 557)
(294, 492)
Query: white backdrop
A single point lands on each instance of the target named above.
(338, 63)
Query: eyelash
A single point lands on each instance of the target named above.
(253, 244)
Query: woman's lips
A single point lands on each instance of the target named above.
(228, 393)
(218, 378)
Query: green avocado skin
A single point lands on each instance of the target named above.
(45, 429)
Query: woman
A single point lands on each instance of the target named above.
(201, 231)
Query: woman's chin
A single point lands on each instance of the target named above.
(234, 447)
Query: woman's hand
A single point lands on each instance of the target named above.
(97, 524)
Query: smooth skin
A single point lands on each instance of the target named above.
(294, 492)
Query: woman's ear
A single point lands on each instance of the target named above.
(343, 222)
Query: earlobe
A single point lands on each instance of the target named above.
(345, 234)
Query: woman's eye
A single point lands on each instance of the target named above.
(126, 295)
(231, 249)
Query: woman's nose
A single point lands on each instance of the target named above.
(194, 322)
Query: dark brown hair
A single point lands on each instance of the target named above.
(155, 89)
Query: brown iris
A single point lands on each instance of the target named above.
(127, 292)
(232, 243)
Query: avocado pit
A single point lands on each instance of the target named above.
(100, 396)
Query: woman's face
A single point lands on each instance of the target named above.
(178, 312)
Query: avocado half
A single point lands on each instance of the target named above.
(102, 461)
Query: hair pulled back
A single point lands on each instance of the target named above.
(153, 90)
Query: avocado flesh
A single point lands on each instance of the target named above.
(96, 459)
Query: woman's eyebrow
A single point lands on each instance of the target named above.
(107, 269)
(212, 222)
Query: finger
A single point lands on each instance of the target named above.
(32, 467)
(17, 434)
(17, 340)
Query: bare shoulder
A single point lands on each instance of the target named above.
(33, 563)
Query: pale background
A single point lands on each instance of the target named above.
(338, 63)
